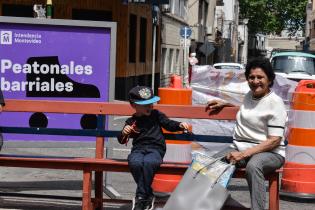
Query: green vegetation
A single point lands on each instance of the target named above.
(273, 16)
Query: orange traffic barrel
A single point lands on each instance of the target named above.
(176, 82)
(176, 151)
(298, 179)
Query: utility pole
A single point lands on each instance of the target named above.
(245, 48)
(155, 22)
(185, 60)
(185, 32)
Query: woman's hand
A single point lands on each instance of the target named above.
(235, 157)
(271, 143)
(0, 108)
(217, 104)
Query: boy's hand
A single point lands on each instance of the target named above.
(128, 129)
(185, 126)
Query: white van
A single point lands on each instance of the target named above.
(294, 65)
(236, 66)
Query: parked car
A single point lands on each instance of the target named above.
(236, 66)
(294, 65)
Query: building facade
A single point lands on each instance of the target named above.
(201, 19)
(310, 26)
(227, 36)
(199, 16)
(173, 17)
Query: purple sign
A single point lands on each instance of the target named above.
(54, 62)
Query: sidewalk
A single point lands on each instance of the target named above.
(69, 183)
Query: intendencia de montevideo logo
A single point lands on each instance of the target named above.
(6, 37)
(9, 37)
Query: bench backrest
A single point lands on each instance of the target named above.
(102, 109)
(112, 108)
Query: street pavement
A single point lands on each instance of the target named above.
(26, 189)
(36, 185)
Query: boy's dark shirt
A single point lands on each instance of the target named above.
(150, 128)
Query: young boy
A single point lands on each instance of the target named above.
(145, 127)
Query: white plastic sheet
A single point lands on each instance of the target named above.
(230, 85)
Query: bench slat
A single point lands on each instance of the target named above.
(91, 164)
(110, 108)
(109, 133)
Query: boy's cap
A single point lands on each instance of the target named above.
(142, 95)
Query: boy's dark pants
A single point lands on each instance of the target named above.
(143, 164)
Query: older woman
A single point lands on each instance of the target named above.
(259, 132)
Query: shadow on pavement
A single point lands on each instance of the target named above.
(41, 185)
(49, 204)
(297, 200)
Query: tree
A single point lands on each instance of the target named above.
(273, 16)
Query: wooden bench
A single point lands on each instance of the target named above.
(98, 164)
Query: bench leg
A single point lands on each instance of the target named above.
(86, 192)
(99, 153)
(274, 191)
(98, 190)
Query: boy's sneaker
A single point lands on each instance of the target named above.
(138, 203)
(149, 203)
